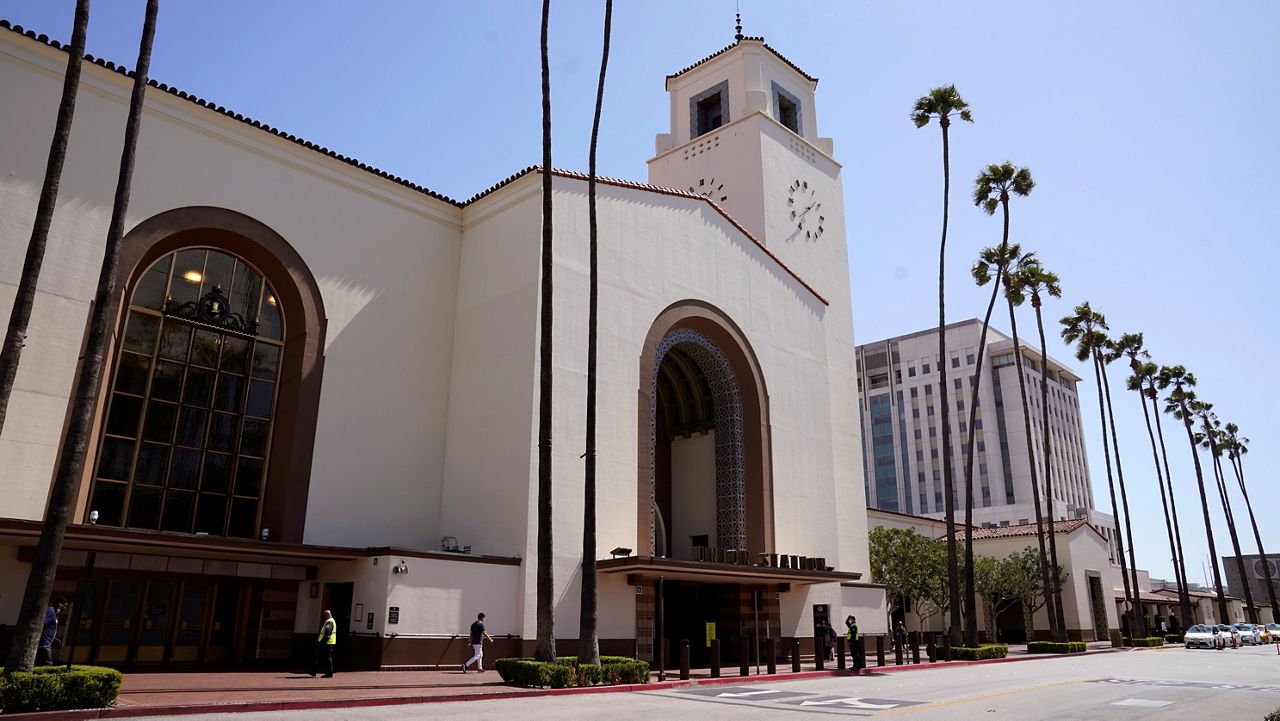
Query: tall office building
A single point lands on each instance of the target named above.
(899, 401)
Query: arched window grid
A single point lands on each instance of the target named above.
(186, 437)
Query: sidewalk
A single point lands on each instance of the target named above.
(173, 693)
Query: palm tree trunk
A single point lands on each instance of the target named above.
(1124, 498)
(1164, 501)
(1231, 529)
(1224, 617)
(1188, 617)
(971, 634)
(948, 483)
(546, 644)
(1047, 574)
(24, 300)
(1061, 618)
(70, 465)
(588, 636)
(1237, 463)
(1111, 486)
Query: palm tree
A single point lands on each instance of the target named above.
(945, 103)
(545, 649)
(1154, 397)
(1181, 404)
(1102, 359)
(1237, 446)
(1142, 382)
(16, 335)
(1211, 432)
(44, 565)
(1015, 296)
(1087, 329)
(991, 189)
(1031, 277)
(588, 637)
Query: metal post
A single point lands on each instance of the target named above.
(915, 647)
(755, 607)
(715, 658)
(930, 649)
(897, 650)
(795, 655)
(771, 655)
(946, 647)
(879, 650)
(662, 637)
(840, 665)
(74, 629)
(819, 653)
(859, 653)
(684, 659)
(744, 660)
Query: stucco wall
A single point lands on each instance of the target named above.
(384, 256)
(693, 492)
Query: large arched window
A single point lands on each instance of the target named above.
(187, 431)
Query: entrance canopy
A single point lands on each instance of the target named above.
(712, 572)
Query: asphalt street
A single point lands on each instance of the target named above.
(1168, 684)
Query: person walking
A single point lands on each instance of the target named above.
(325, 642)
(900, 636)
(44, 654)
(829, 641)
(478, 635)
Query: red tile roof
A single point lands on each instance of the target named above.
(735, 44)
(1028, 529)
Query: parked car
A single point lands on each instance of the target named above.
(1201, 636)
(1249, 633)
(1271, 633)
(1230, 636)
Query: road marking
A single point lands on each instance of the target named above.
(970, 699)
(851, 703)
(1142, 702)
(745, 694)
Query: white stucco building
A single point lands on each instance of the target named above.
(322, 388)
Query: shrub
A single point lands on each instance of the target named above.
(1173, 638)
(964, 653)
(566, 671)
(1054, 647)
(54, 688)
(1141, 642)
(1273, 716)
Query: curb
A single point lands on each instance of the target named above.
(301, 705)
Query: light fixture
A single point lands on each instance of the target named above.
(266, 532)
(620, 551)
(93, 518)
(192, 276)
(403, 567)
(271, 299)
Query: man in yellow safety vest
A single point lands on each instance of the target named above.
(325, 642)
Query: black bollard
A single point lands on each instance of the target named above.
(715, 658)
(771, 655)
(840, 653)
(915, 647)
(897, 650)
(744, 657)
(946, 647)
(795, 655)
(931, 649)
(684, 659)
(879, 650)
(819, 654)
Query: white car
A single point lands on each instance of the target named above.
(1249, 633)
(1272, 633)
(1202, 636)
(1230, 636)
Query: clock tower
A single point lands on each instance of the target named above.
(744, 134)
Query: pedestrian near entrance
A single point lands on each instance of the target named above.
(853, 637)
(44, 654)
(478, 635)
(325, 642)
(900, 636)
(829, 642)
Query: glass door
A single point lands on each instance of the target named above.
(191, 623)
(118, 622)
(157, 615)
(222, 626)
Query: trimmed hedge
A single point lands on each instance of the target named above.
(1273, 716)
(1173, 638)
(566, 671)
(986, 651)
(54, 688)
(1055, 647)
(1150, 641)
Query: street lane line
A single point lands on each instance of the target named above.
(928, 705)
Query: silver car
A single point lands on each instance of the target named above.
(1249, 633)
(1202, 636)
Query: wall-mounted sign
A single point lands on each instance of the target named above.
(393, 615)
(711, 633)
(368, 624)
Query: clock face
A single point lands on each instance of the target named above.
(805, 209)
(710, 188)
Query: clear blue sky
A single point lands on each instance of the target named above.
(1150, 128)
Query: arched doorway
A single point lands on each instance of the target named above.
(704, 438)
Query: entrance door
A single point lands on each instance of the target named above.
(338, 601)
(222, 624)
(157, 617)
(192, 608)
(118, 622)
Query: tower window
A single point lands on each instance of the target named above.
(786, 108)
(709, 109)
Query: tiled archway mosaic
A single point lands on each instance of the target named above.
(726, 398)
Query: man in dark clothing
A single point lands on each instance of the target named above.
(854, 638)
(44, 654)
(478, 635)
(829, 642)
